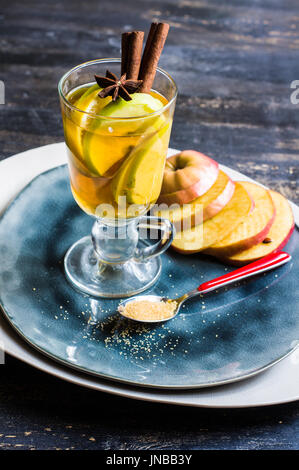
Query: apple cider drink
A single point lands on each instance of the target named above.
(116, 150)
(117, 116)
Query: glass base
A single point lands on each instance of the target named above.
(89, 275)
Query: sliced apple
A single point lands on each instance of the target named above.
(78, 122)
(187, 175)
(141, 104)
(203, 207)
(204, 235)
(254, 228)
(277, 237)
(110, 140)
(139, 178)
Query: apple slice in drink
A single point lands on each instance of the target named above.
(254, 228)
(89, 102)
(203, 207)
(140, 105)
(277, 237)
(110, 140)
(139, 178)
(204, 235)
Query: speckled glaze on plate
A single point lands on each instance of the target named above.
(220, 338)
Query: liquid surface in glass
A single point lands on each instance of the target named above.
(116, 150)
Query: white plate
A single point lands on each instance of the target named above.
(280, 384)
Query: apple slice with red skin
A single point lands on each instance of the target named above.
(187, 175)
(203, 207)
(277, 237)
(255, 227)
(204, 235)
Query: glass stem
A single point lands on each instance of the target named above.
(115, 242)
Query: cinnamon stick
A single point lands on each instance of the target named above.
(131, 54)
(152, 51)
(147, 47)
(124, 52)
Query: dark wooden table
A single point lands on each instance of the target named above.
(234, 62)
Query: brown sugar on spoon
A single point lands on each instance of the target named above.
(145, 310)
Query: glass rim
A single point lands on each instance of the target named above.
(94, 115)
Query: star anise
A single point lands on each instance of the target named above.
(112, 86)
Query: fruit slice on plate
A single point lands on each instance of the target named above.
(204, 235)
(110, 141)
(277, 237)
(203, 207)
(139, 178)
(187, 175)
(254, 228)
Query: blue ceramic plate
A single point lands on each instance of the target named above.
(221, 338)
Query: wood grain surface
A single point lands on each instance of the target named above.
(233, 62)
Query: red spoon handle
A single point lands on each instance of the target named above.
(264, 264)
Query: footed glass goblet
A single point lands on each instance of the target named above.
(116, 157)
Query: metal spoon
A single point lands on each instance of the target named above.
(264, 264)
